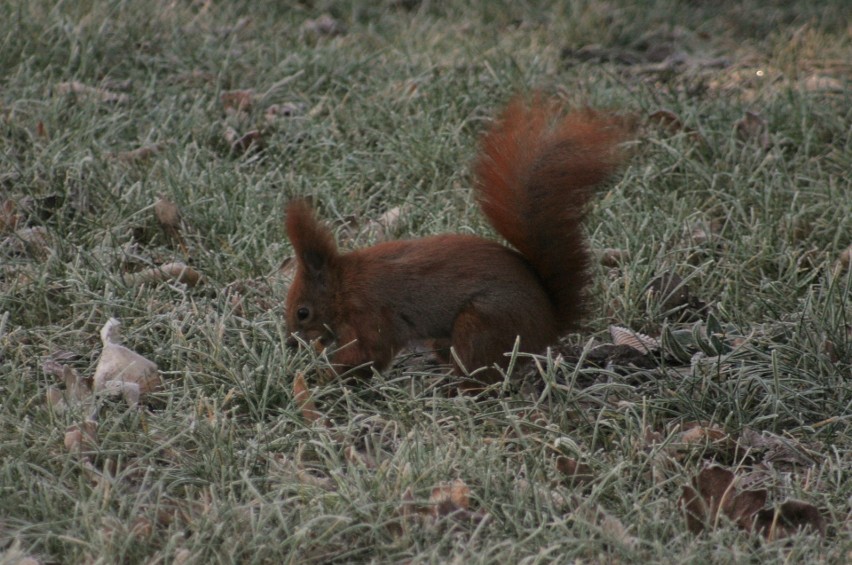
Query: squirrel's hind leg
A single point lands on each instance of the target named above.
(482, 336)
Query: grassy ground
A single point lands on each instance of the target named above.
(378, 106)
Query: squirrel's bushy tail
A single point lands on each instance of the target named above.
(533, 180)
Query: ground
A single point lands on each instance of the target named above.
(149, 149)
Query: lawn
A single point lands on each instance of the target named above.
(148, 150)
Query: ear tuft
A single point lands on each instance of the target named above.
(314, 243)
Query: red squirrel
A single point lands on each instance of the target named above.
(533, 179)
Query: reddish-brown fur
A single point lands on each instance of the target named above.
(533, 179)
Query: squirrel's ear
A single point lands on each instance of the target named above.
(314, 243)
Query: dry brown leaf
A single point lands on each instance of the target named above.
(123, 371)
(638, 341)
(182, 556)
(91, 93)
(713, 494)
(672, 124)
(788, 518)
(611, 257)
(324, 25)
(287, 268)
(14, 555)
(615, 529)
(821, 83)
(275, 112)
(138, 155)
(35, 241)
(242, 143)
(669, 290)
(140, 528)
(359, 458)
(304, 400)
(704, 436)
(196, 77)
(775, 448)
(700, 432)
(77, 389)
(382, 228)
(844, 261)
(667, 120)
(248, 294)
(169, 217)
(82, 437)
(238, 100)
(408, 509)
(167, 213)
(576, 473)
(9, 219)
(752, 127)
(177, 271)
(296, 470)
(449, 498)
(704, 233)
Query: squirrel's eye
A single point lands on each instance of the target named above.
(302, 314)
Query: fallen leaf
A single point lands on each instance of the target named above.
(615, 529)
(704, 233)
(251, 295)
(238, 100)
(638, 341)
(123, 371)
(9, 219)
(775, 448)
(14, 555)
(139, 154)
(359, 458)
(169, 217)
(713, 494)
(669, 290)
(409, 508)
(667, 120)
(383, 227)
(34, 240)
(176, 270)
(167, 213)
(298, 472)
(611, 257)
(449, 498)
(91, 93)
(304, 401)
(77, 389)
(324, 25)
(820, 83)
(196, 77)
(576, 474)
(242, 143)
(82, 437)
(670, 296)
(752, 127)
(844, 261)
(274, 112)
(788, 518)
(700, 432)
(140, 528)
